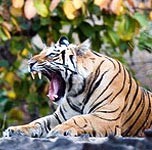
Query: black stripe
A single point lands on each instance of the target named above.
(77, 124)
(63, 56)
(71, 59)
(56, 58)
(64, 108)
(135, 121)
(130, 87)
(74, 107)
(111, 61)
(121, 88)
(97, 73)
(135, 110)
(45, 126)
(130, 81)
(48, 124)
(134, 97)
(108, 111)
(81, 90)
(97, 54)
(95, 106)
(70, 82)
(94, 133)
(67, 68)
(116, 129)
(148, 113)
(66, 72)
(94, 88)
(89, 94)
(82, 128)
(114, 119)
(57, 118)
(106, 88)
(62, 113)
(98, 82)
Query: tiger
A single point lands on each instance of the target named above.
(96, 95)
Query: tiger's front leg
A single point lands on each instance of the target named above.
(37, 128)
(90, 124)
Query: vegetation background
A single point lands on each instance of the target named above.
(114, 27)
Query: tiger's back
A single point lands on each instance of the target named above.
(116, 96)
(95, 93)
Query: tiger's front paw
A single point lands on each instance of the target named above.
(23, 130)
(65, 130)
(11, 131)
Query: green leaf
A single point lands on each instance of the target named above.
(113, 37)
(87, 29)
(41, 8)
(1, 20)
(4, 63)
(145, 41)
(109, 20)
(141, 19)
(36, 25)
(32, 98)
(94, 9)
(45, 21)
(126, 28)
(3, 36)
(21, 88)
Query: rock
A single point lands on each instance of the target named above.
(75, 143)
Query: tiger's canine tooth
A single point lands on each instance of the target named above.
(33, 75)
(29, 69)
(56, 96)
(40, 75)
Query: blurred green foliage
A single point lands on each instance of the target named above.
(113, 31)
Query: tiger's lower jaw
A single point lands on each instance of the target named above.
(57, 84)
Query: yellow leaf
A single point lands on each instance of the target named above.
(14, 21)
(54, 4)
(141, 5)
(24, 52)
(9, 77)
(98, 2)
(150, 15)
(116, 6)
(2, 69)
(7, 25)
(29, 9)
(18, 3)
(6, 32)
(69, 9)
(11, 94)
(41, 8)
(16, 113)
(16, 11)
(103, 4)
(77, 4)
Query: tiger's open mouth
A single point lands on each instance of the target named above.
(56, 85)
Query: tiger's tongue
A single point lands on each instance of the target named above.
(53, 88)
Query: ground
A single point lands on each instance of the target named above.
(77, 143)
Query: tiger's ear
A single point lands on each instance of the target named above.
(63, 41)
(83, 48)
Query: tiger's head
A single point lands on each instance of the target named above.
(59, 64)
